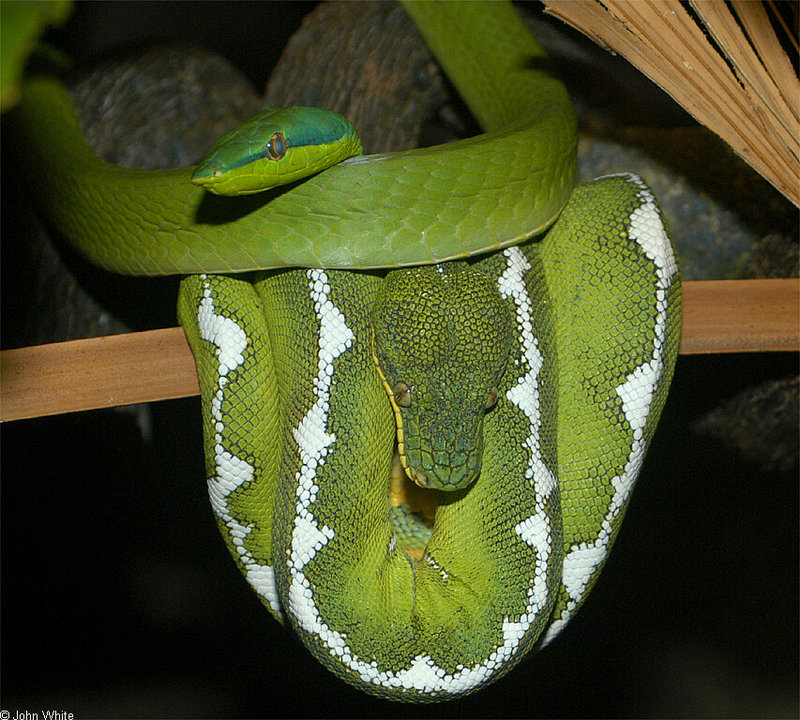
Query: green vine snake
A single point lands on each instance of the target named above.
(519, 388)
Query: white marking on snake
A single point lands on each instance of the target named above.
(535, 530)
(636, 393)
(231, 472)
(308, 538)
(313, 441)
(442, 572)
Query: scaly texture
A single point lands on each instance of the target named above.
(596, 308)
(408, 208)
(299, 432)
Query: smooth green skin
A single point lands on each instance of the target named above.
(309, 139)
(299, 433)
(377, 211)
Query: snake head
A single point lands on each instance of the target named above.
(276, 147)
(441, 341)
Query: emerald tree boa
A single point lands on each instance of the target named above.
(517, 375)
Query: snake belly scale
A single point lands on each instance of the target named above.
(299, 430)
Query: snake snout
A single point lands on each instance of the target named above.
(443, 478)
(206, 174)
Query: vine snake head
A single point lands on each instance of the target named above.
(276, 147)
(441, 342)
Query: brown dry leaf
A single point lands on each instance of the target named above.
(733, 78)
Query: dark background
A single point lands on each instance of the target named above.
(119, 598)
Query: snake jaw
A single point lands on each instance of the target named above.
(276, 147)
(420, 479)
(446, 484)
(432, 475)
(421, 467)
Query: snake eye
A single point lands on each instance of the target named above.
(402, 394)
(491, 398)
(276, 147)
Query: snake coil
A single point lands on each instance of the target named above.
(532, 401)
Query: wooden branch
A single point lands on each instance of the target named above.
(96, 372)
(718, 316)
(726, 316)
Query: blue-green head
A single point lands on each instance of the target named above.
(277, 146)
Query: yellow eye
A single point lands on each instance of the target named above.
(402, 394)
(276, 147)
(491, 399)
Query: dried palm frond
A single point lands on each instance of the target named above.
(723, 62)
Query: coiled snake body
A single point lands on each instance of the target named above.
(526, 384)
